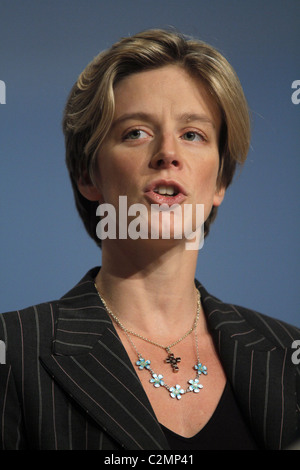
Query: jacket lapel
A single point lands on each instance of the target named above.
(90, 364)
(258, 366)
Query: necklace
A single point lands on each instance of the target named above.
(171, 359)
(157, 379)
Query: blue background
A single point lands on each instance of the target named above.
(251, 256)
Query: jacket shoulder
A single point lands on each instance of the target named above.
(239, 320)
(29, 326)
(273, 328)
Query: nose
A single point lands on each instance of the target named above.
(166, 154)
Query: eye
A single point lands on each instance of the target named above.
(135, 134)
(193, 136)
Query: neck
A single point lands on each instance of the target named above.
(151, 292)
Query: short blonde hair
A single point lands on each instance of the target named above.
(90, 107)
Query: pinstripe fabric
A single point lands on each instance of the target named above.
(68, 382)
(256, 354)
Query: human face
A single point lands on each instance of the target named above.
(165, 133)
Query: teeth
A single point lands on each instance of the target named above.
(166, 190)
(170, 191)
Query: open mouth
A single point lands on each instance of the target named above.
(165, 192)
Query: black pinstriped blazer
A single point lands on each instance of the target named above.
(68, 383)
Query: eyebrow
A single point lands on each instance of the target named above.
(185, 117)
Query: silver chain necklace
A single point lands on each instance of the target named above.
(144, 364)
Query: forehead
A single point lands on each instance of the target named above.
(169, 88)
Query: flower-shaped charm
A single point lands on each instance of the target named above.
(195, 385)
(157, 380)
(176, 392)
(141, 363)
(201, 369)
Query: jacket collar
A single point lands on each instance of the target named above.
(86, 346)
(257, 364)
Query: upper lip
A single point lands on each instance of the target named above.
(166, 182)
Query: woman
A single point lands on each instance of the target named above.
(138, 355)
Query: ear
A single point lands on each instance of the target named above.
(219, 196)
(88, 190)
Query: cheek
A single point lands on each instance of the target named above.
(207, 177)
(114, 177)
(207, 185)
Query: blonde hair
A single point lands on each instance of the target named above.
(89, 109)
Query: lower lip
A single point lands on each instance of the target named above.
(156, 198)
